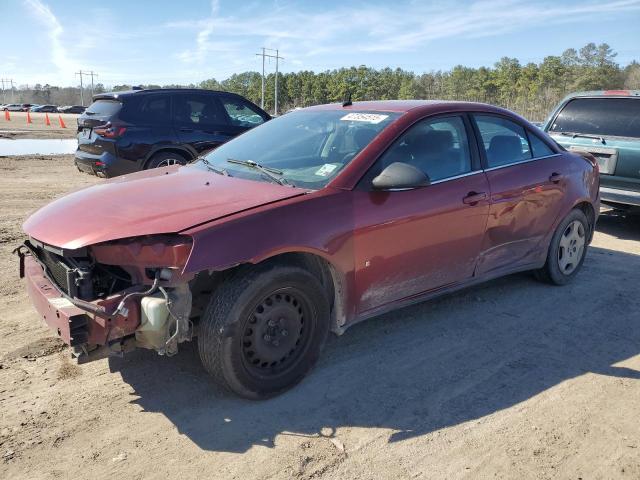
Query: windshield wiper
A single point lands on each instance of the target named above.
(582, 135)
(272, 173)
(219, 171)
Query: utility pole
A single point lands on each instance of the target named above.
(262, 96)
(80, 73)
(88, 74)
(275, 114)
(8, 81)
(92, 75)
(277, 57)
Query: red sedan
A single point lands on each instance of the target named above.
(307, 224)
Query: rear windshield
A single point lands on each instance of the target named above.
(104, 108)
(618, 117)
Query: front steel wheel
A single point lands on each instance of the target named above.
(274, 336)
(263, 329)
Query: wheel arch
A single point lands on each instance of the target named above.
(589, 211)
(183, 152)
(332, 279)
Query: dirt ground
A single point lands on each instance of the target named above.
(512, 379)
(17, 126)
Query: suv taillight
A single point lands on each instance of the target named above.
(109, 131)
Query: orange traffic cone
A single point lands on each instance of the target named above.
(29, 117)
(7, 116)
(47, 122)
(62, 125)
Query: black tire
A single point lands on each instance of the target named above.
(263, 330)
(562, 265)
(164, 159)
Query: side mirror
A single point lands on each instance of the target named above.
(400, 176)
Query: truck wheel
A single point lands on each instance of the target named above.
(263, 330)
(164, 159)
(567, 250)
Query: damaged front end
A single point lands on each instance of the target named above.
(112, 297)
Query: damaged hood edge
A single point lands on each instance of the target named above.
(164, 200)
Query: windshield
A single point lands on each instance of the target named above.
(305, 149)
(618, 117)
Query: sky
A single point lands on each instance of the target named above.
(163, 42)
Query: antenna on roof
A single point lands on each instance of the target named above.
(347, 101)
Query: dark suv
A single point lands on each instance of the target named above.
(123, 132)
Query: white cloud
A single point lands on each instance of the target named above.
(366, 29)
(59, 55)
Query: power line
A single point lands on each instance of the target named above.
(277, 57)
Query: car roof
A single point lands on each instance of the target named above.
(403, 106)
(142, 91)
(604, 93)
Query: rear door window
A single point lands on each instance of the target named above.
(147, 110)
(241, 113)
(618, 117)
(505, 142)
(198, 111)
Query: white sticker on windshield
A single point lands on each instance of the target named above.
(326, 169)
(364, 117)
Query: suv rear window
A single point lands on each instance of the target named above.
(618, 117)
(104, 108)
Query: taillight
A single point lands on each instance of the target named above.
(109, 131)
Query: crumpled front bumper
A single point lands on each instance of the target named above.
(79, 328)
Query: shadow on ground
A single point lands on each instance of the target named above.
(421, 368)
(619, 225)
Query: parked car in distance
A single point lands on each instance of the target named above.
(45, 109)
(607, 125)
(311, 222)
(124, 132)
(17, 107)
(72, 109)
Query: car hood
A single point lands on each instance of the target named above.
(163, 200)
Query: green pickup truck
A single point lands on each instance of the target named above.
(607, 125)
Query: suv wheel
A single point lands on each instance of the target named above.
(567, 249)
(165, 159)
(263, 330)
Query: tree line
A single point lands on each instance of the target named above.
(532, 89)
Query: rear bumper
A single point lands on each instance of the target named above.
(624, 197)
(101, 165)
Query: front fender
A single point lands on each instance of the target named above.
(320, 223)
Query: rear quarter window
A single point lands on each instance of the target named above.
(619, 117)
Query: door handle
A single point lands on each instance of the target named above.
(555, 177)
(474, 197)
